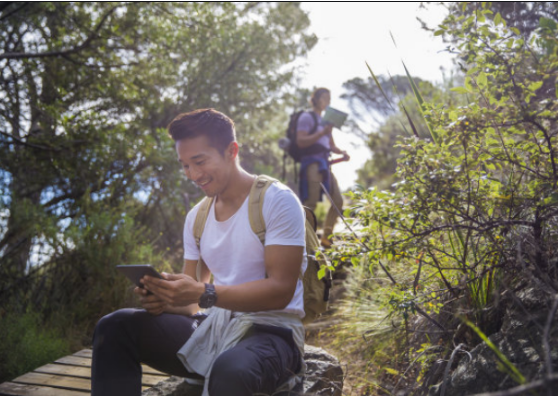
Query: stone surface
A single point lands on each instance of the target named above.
(520, 340)
(174, 386)
(324, 377)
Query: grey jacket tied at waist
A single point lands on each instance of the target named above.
(223, 329)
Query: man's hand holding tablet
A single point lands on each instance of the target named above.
(135, 272)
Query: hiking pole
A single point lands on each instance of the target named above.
(338, 211)
(338, 160)
(354, 233)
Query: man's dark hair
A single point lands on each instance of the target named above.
(218, 128)
(318, 92)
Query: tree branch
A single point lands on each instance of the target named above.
(546, 336)
(550, 148)
(434, 321)
(448, 367)
(9, 14)
(85, 44)
(24, 143)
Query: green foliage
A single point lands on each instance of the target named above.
(88, 175)
(397, 95)
(524, 16)
(475, 209)
(490, 177)
(26, 344)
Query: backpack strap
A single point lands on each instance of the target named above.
(199, 225)
(255, 205)
(315, 117)
(255, 209)
(315, 148)
(255, 215)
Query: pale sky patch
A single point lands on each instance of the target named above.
(351, 34)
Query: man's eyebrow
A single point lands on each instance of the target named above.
(195, 157)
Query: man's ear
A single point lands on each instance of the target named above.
(232, 150)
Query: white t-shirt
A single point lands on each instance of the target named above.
(235, 255)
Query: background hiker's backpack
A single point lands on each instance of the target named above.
(289, 145)
(293, 150)
(316, 291)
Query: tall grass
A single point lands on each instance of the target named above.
(26, 343)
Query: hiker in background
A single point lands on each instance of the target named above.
(315, 140)
(251, 339)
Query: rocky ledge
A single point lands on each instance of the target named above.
(324, 377)
(521, 339)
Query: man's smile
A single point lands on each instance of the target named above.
(203, 183)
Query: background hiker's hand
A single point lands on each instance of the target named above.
(150, 302)
(175, 289)
(328, 129)
(346, 156)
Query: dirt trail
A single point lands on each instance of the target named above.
(322, 333)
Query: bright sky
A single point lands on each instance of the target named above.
(351, 34)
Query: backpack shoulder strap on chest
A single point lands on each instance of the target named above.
(255, 205)
(201, 218)
(199, 225)
(255, 209)
(315, 117)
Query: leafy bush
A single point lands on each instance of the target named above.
(476, 208)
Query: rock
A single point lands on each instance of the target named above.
(324, 377)
(520, 340)
(174, 386)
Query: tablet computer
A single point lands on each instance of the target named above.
(135, 272)
(335, 117)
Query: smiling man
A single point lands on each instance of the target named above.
(250, 340)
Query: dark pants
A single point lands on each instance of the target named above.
(258, 364)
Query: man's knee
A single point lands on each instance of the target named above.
(112, 320)
(232, 375)
(113, 325)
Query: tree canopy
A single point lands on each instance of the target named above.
(88, 176)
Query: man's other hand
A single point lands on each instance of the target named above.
(150, 302)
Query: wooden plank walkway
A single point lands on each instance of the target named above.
(67, 376)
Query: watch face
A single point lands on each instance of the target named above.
(211, 300)
(209, 297)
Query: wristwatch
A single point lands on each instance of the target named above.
(209, 297)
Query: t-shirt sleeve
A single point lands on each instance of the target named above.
(305, 122)
(284, 219)
(191, 251)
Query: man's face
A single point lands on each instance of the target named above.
(204, 165)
